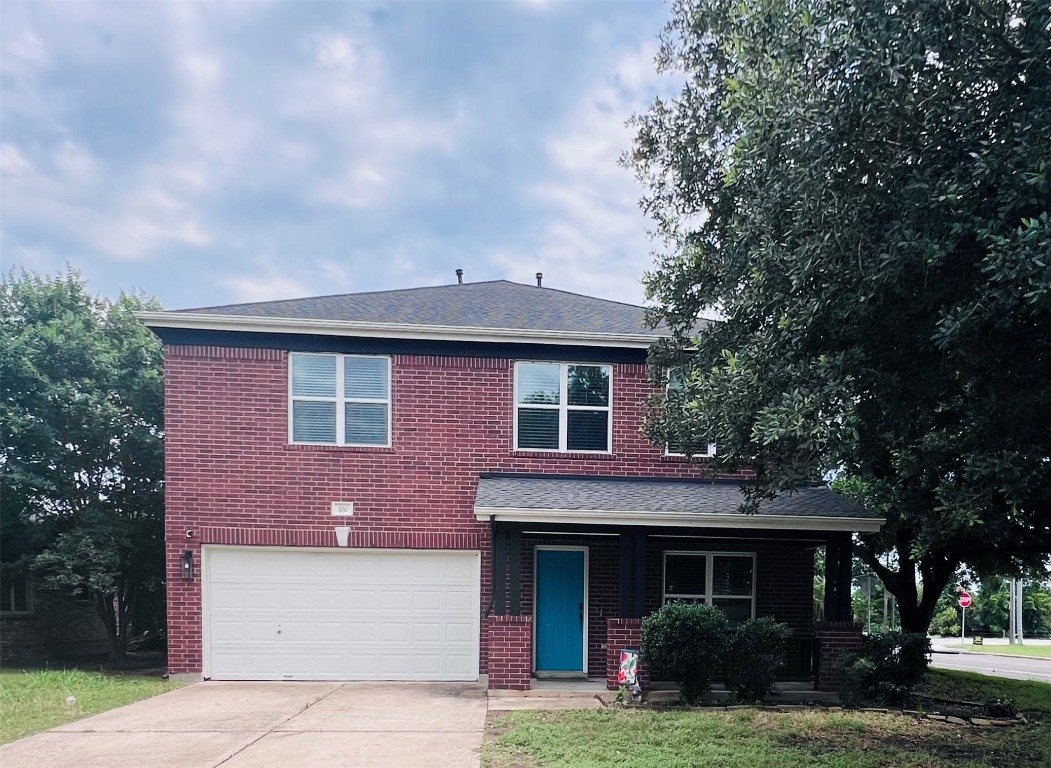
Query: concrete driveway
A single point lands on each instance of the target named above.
(279, 725)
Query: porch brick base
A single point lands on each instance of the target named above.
(510, 652)
(621, 634)
(834, 638)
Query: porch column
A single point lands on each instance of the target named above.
(514, 554)
(839, 564)
(625, 631)
(632, 574)
(499, 533)
(639, 593)
(846, 578)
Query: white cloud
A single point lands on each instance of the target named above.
(594, 238)
(267, 287)
(375, 138)
(13, 162)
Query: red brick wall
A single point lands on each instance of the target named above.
(621, 634)
(834, 639)
(233, 477)
(784, 581)
(510, 652)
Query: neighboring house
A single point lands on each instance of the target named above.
(38, 624)
(452, 483)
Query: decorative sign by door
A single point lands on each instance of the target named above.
(629, 667)
(628, 673)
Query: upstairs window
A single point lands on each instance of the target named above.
(16, 593)
(724, 580)
(339, 399)
(563, 407)
(675, 447)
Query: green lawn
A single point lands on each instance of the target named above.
(1028, 695)
(1040, 651)
(751, 738)
(33, 701)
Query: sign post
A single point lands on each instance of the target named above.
(964, 601)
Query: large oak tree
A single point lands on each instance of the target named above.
(82, 467)
(861, 193)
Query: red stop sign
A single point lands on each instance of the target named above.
(965, 600)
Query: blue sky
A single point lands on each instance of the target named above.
(212, 153)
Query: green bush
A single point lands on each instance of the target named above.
(687, 643)
(946, 623)
(885, 669)
(756, 654)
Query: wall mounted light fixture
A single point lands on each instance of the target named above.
(187, 565)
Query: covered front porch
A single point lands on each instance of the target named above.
(578, 562)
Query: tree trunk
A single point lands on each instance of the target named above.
(915, 608)
(117, 641)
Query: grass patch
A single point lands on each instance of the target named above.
(1028, 695)
(753, 739)
(33, 701)
(1037, 651)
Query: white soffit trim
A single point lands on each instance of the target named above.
(243, 323)
(679, 519)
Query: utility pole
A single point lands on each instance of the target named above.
(1015, 612)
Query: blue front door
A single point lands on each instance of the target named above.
(559, 614)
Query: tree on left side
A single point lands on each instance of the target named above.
(82, 468)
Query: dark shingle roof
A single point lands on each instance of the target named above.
(653, 495)
(495, 304)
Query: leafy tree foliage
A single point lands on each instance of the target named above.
(990, 610)
(81, 401)
(861, 191)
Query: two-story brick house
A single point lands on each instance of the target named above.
(452, 483)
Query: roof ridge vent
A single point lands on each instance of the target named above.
(539, 279)
(459, 277)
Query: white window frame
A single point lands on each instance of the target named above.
(9, 586)
(709, 597)
(667, 452)
(341, 400)
(563, 407)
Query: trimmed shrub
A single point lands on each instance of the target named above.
(885, 669)
(686, 643)
(756, 655)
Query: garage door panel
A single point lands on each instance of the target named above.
(342, 614)
(427, 601)
(462, 600)
(459, 632)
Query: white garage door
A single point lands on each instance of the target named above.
(344, 614)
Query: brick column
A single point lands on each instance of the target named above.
(834, 638)
(510, 652)
(621, 634)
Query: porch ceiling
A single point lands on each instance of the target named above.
(661, 503)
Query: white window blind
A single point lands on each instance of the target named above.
(340, 399)
(563, 407)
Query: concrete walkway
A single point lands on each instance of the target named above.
(273, 725)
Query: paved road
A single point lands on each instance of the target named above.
(993, 664)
